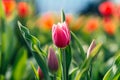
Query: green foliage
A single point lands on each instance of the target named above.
(114, 72)
(34, 45)
(62, 16)
(64, 58)
(68, 57)
(35, 71)
(79, 45)
(20, 64)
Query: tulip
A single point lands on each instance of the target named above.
(60, 35)
(106, 8)
(109, 27)
(47, 21)
(92, 25)
(69, 19)
(52, 60)
(9, 6)
(41, 76)
(23, 9)
(117, 12)
(91, 47)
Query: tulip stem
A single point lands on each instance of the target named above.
(64, 64)
(54, 76)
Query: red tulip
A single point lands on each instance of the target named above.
(23, 9)
(41, 76)
(9, 6)
(106, 8)
(60, 35)
(52, 60)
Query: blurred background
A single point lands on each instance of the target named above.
(88, 19)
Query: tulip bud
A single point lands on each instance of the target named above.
(91, 47)
(52, 60)
(23, 9)
(60, 35)
(41, 76)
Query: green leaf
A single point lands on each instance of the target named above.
(87, 63)
(2, 77)
(72, 73)
(29, 39)
(80, 74)
(20, 64)
(59, 72)
(79, 44)
(62, 16)
(34, 46)
(68, 57)
(114, 72)
(95, 50)
(2, 12)
(42, 65)
(35, 71)
(108, 75)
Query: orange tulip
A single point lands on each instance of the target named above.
(76, 23)
(92, 25)
(46, 21)
(109, 27)
(69, 19)
(117, 12)
(9, 6)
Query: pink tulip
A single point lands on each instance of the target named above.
(52, 60)
(60, 35)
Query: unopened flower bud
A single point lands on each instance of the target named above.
(91, 47)
(41, 76)
(52, 60)
(60, 35)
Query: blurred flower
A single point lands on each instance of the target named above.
(117, 11)
(23, 9)
(92, 25)
(109, 26)
(106, 8)
(9, 6)
(77, 23)
(69, 19)
(91, 47)
(41, 76)
(52, 60)
(61, 35)
(46, 21)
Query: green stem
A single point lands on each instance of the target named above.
(64, 65)
(54, 76)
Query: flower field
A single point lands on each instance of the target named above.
(59, 46)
